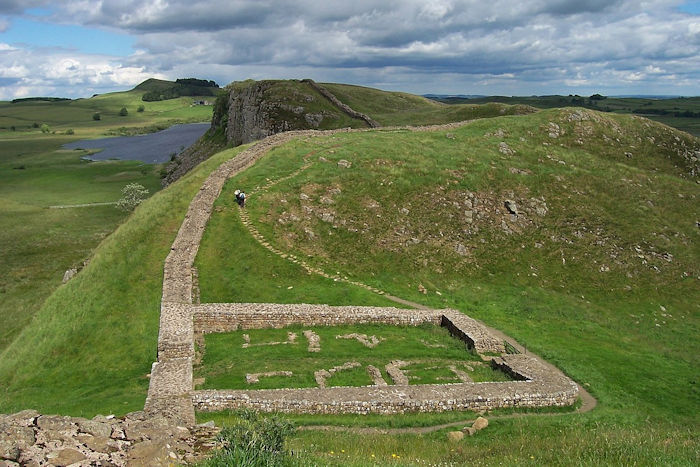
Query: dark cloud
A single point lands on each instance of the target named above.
(9, 7)
(493, 46)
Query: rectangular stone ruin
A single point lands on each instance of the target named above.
(536, 385)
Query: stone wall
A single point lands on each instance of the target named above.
(31, 439)
(224, 317)
(344, 107)
(543, 388)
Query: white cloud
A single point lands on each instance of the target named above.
(468, 46)
(63, 73)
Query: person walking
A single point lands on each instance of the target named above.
(240, 198)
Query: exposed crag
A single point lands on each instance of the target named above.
(250, 110)
(257, 109)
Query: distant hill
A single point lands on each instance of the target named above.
(682, 113)
(160, 90)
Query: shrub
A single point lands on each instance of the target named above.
(70, 131)
(133, 195)
(96, 116)
(141, 108)
(254, 440)
(123, 112)
(45, 128)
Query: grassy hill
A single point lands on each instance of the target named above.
(682, 113)
(597, 272)
(571, 230)
(398, 108)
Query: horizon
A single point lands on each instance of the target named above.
(555, 47)
(427, 94)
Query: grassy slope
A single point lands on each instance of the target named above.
(584, 285)
(643, 374)
(92, 343)
(39, 244)
(640, 106)
(397, 108)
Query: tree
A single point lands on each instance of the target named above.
(141, 108)
(132, 195)
(123, 112)
(96, 116)
(45, 128)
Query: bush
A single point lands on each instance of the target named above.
(45, 128)
(141, 108)
(70, 131)
(123, 112)
(96, 116)
(133, 195)
(254, 441)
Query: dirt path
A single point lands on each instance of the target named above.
(86, 205)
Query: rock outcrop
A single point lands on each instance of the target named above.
(252, 110)
(29, 438)
(257, 109)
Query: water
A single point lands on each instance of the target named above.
(153, 148)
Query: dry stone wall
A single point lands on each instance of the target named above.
(537, 385)
(344, 107)
(30, 439)
(543, 389)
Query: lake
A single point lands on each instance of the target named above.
(152, 148)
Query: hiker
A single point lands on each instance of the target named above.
(240, 198)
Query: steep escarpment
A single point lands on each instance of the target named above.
(250, 110)
(257, 109)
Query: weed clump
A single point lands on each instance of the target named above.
(254, 440)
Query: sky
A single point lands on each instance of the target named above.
(78, 48)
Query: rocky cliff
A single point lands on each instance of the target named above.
(251, 110)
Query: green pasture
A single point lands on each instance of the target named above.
(27, 117)
(91, 344)
(40, 242)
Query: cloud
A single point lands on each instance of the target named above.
(470, 46)
(56, 72)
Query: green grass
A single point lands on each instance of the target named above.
(660, 110)
(397, 108)
(77, 115)
(90, 346)
(226, 362)
(40, 244)
(604, 285)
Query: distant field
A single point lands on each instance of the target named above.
(40, 244)
(682, 113)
